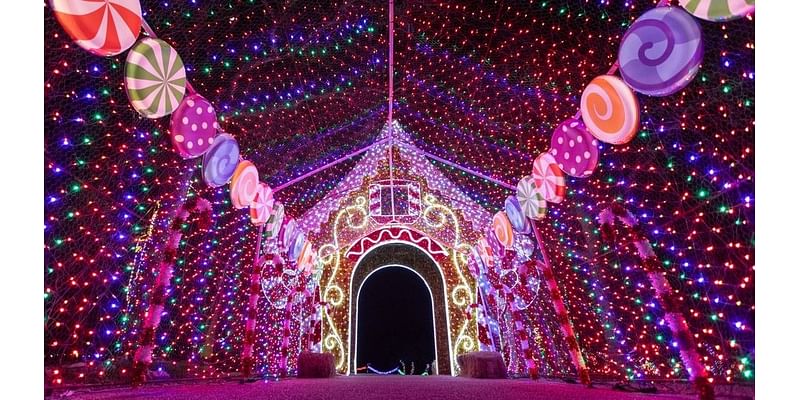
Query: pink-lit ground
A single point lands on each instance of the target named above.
(376, 387)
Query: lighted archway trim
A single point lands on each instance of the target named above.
(358, 296)
(446, 307)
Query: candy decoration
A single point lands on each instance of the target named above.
(261, 207)
(275, 221)
(220, 161)
(154, 78)
(518, 220)
(244, 184)
(143, 356)
(549, 178)
(532, 203)
(664, 293)
(193, 126)
(305, 258)
(296, 243)
(502, 229)
(574, 149)
(105, 28)
(661, 52)
(486, 254)
(719, 10)
(610, 110)
(287, 232)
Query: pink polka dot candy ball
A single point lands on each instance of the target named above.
(574, 148)
(193, 126)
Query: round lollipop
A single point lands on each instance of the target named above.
(275, 221)
(155, 79)
(244, 184)
(219, 162)
(305, 258)
(193, 126)
(502, 229)
(105, 28)
(532, 203)
(661, 52)
(494, 243)
(287, 231)
(518, 220)
(486, 254)
(261, 206)
(549, 178)
(719, 10)
(296, 245)
(574, 149)
(610, 110)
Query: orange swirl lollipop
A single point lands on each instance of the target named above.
(610, 110)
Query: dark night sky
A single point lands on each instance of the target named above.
(395, 321)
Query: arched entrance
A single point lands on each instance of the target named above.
(415, 259)
(395, 320)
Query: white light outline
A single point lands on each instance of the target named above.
(446, 303)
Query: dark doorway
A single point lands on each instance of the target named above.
(395, 321)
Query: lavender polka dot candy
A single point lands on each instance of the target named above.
(193, 126)
(661, 51)
(574, 148)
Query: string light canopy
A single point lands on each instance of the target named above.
(476, 87)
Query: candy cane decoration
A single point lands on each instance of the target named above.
(252, 307)
(561, 313)
(663, 291)
(314, 333)
(522, 341)
(286, 332)
(152, 317)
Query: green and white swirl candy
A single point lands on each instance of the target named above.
(155, 78)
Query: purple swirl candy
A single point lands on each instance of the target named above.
(220, 161)
(661, 51)
(518, 220)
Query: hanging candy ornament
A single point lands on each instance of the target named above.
(193, 126)
(105, 28)
(155, 78)
(486, 254)
(719, 10)
(610, 110)
(275, 221)
(296, 244)
(287, 232)
(494, 241)
(244, 184)
(661, 52)
(304, 260)
(532, 203)
(574, 149)
(549, 178)
(502, 229)
(261, 207)
(518, 220)
(220, 161)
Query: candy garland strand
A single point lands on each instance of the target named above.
(152, 317)
(156, 85)
(664, 294)
(561, 313)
